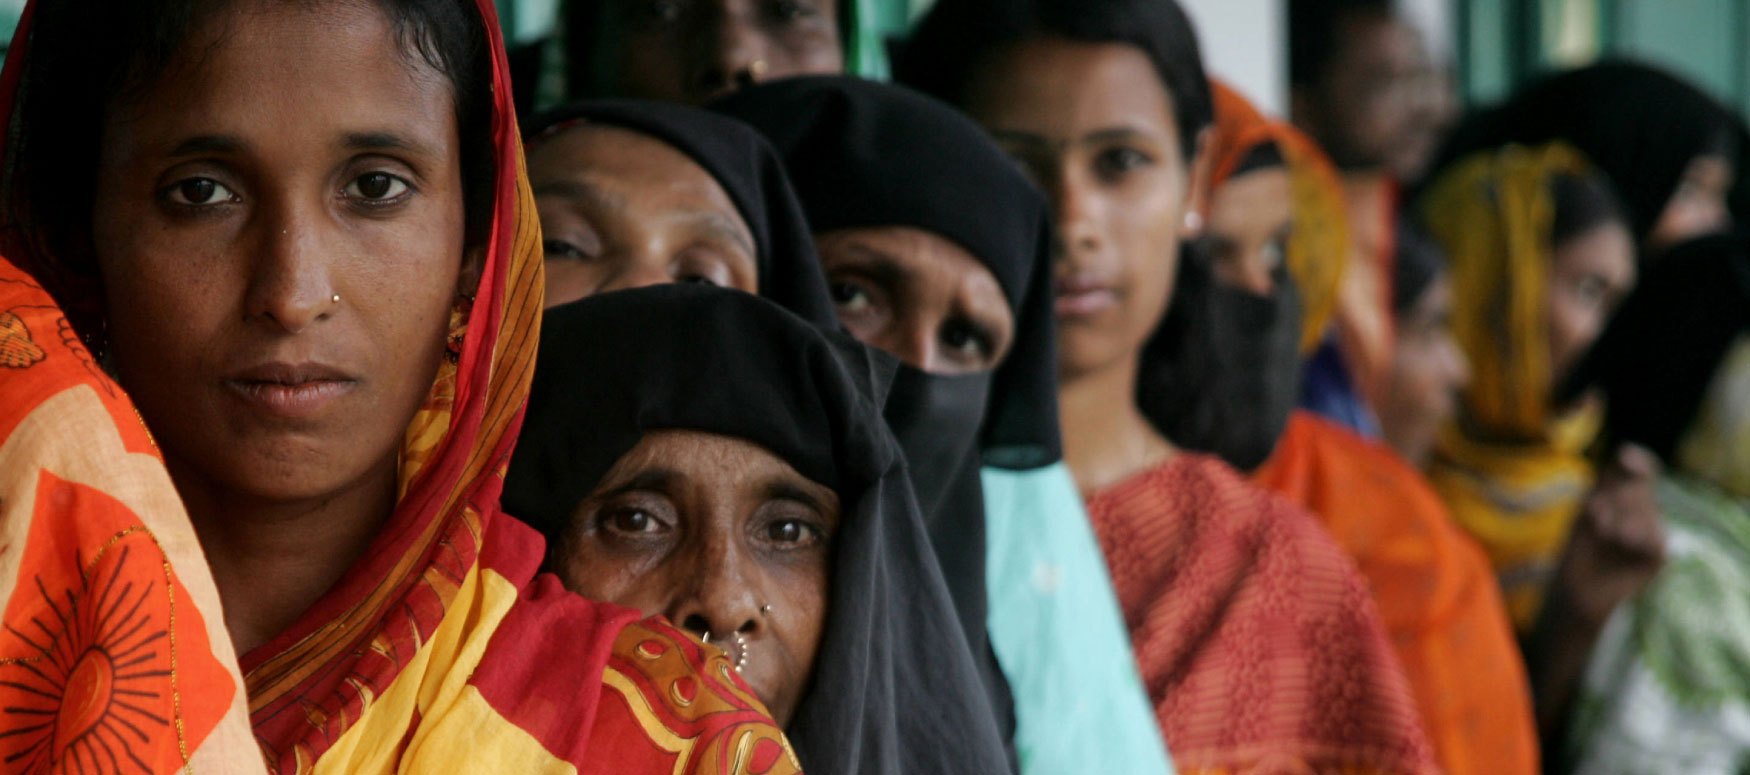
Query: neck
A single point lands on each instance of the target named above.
(1106, 438)
(272, 559)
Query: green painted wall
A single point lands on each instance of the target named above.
(1503, 43)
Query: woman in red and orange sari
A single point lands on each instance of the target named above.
(1276, 219)
(300, 237)
(1256, 638)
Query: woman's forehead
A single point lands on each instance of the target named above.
(315, 65)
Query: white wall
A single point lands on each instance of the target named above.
(1245, 43)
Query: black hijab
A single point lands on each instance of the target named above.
(1658, 355)
(895, 689)
(748, 170)
(1638, 124)
(864, 154)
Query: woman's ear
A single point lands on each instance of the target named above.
(1198, 197)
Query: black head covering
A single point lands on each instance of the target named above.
(1657, 357)
(895, 688)
(1220, 375)
(1640, 125)
(864, 154)
(748, 170)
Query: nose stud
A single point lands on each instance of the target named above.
(334, 299)
(757, 69)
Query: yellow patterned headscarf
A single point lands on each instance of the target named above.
(1493, 213)
(1513, 473)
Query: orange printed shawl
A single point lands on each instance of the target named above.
(1435, 589)
(443, 650)
(113, 652)
(1257, 639)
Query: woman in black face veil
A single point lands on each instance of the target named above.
(705, 455)
(937, 249)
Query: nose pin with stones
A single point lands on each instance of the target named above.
(740, 642)
(740, 649)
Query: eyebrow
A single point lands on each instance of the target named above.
(384, 141)
(357, 141)
(582, 193)
(780, 489)
(722, 226)
(878, 266)
(1096, 137)
(208, 144)
(650, 479)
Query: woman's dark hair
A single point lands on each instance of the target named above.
(1583, 202)
(1316, 36)
(86, 57)
(952, 41)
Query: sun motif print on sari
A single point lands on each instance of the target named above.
(108, 662)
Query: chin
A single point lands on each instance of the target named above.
(283, 471)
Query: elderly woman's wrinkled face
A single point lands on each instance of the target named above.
(918, 296)
(280, 227)
(694, 51)
(621, 210)
(1094, 125)
(724, 539)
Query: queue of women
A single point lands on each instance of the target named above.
(1049, 409)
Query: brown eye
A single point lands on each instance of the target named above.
(200, 191)
(969, 340)
(376, 187)
(632, 521)
(850, 297)
(788, 531)
(1116, 162)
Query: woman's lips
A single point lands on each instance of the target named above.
(292, 391)
(1083, 296)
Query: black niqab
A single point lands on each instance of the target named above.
(895, 688)
(869, 155)
(747, 168)
(1221, 373)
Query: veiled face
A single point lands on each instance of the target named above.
(620, 210)
(1094, 125)
(279, 225)
(1251, 217)
(723, 538)
(918, 296)
(1698, 207)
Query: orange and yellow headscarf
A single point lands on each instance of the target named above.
(1513, 473)
(1319, 244)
